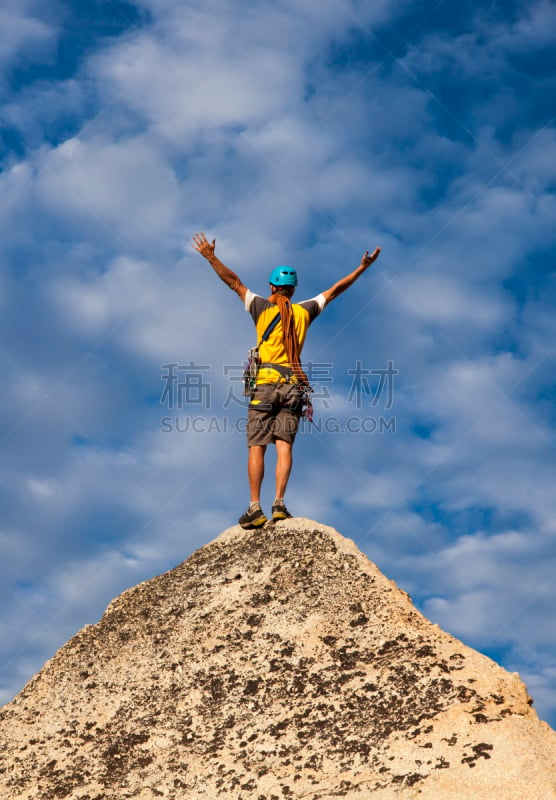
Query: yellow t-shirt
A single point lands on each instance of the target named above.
(273, 350)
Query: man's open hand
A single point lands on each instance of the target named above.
(367, 259)
(203, 246)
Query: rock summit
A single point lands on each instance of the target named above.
(273, 664)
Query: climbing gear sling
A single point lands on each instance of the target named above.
(254, 359)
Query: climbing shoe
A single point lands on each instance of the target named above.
(279, 510)
(253, 518)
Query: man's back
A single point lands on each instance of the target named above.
(272, 350)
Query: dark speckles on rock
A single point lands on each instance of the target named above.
(361, 619)
(425, 652)
(252, 687)
(465, 694)
(347, 658)
(260, 599)
(481, 750)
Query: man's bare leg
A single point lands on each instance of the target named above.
(284, 461)
(255, 470)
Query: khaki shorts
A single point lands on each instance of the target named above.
(274, 413)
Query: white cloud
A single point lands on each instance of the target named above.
(24, 35)
(35, 109)
(450, 301)
(159, 319)
(483, 51)
(531, 30)
(468, 616)
(100, 302)
(202, 87)
(14, 183)
(126, 188)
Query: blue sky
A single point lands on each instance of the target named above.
(297, 133)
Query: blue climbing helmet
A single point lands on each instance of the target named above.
(283, 276)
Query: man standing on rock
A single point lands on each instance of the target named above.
(281, 385)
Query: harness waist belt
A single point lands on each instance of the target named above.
(285, 372)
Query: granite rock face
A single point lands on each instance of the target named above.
(270, 665)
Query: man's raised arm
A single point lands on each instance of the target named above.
(206, 249)
(345, 283)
